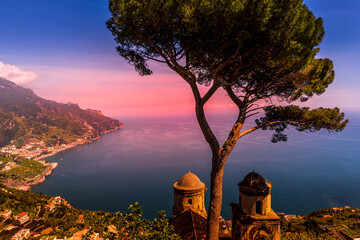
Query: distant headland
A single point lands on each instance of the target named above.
(33, 128)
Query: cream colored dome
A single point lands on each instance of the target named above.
(189, 182)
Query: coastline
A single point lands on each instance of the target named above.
(25, 185)
(56, 151)
(74, 144)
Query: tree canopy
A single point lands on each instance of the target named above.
(261, 52)
(255, 50)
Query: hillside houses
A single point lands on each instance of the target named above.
(22, 217)
(7, 166)
(6, 214)
(55, 201)
(28, 151)
(22, 234)
(38, 148)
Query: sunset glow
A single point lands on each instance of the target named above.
(67, 54)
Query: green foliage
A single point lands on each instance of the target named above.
(131, 225)
(304, 120)
(27, 169)
(320, 223)
(65, 220)
(259, 52)
(263, 46)
(20, 201)
(256, 49)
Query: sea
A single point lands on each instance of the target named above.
(142, 161)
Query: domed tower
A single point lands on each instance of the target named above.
(255, 195)
(189, 194)
(253, 217)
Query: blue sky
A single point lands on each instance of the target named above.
(72, 56)
(55, 30)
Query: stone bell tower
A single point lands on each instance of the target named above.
(253, 218)
(189, 194)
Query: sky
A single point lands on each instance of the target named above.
(63, 51)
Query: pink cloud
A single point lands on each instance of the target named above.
(16, 74)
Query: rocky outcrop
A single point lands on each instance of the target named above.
(25, 185)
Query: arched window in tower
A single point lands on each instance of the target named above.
(189, 194)
(259, 207)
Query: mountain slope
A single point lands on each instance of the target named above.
(24, 116)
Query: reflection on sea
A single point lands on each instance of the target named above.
(140, 163)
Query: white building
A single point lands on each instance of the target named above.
(22, 234)
(22, 217)
(5, 214)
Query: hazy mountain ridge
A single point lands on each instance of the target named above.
(24, 115)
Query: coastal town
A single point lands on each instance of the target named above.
(37, 149)
(23, 166)
(25, 215)
(22, 161)
(33, 224)
(33, 128)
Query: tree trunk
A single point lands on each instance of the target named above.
(218, 163)
(217, 173)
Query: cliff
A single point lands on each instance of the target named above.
(24, 116)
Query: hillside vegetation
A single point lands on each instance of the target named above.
(49, 216)
(25, 117)
(52, 217)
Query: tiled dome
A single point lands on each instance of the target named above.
(189, 182)
(254, 184)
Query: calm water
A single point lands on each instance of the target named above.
(142, 161)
